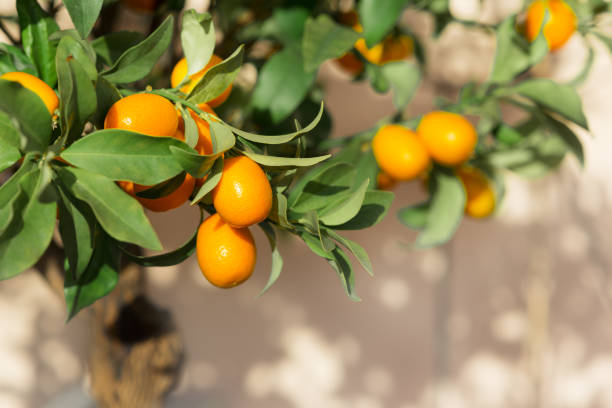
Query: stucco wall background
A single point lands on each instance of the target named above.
(514, 312)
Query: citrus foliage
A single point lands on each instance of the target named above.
(113, 145)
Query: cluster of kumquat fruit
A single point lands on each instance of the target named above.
(445, 138)
(243, 197)
(392, 48)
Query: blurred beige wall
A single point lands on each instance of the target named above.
(515, 312)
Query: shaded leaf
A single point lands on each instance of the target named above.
(325, 39)
(83, 14)
(217, 79)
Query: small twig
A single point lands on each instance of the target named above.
(8, 34)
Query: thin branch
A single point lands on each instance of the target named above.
(8, 34)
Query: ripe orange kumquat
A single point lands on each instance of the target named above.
(449, 138)
(144, 113)
(39, 87)
(399, 152)
(385, 182)
(560, 26)
(243, 196)
(226, 255)
(180, 72)
(480, 197)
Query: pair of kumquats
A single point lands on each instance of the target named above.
(444, 137)
(225, 247)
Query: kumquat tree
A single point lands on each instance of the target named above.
(101, 127)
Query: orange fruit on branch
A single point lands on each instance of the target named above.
(449, 138)
(243, 196)
(399, 152)
(561, 24)
(145, 113)
(226, 254)
(480, 196)
(39, 87)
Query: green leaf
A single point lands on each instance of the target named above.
(9, 209)
(175, 257)
(163, 189)
(14, 59)
(30, 230)
(282, 84)
(314, 244)
(279, 139)
(557, 98)
(221, 136)
(377, 20)
(217, 79)
(320, 185)
(274, 161)
(343, 267)
(445, 211)
(191, 128)
(28, 112)
(9, 136)
(569, 138)
(404, 78)
(193, 163)
(139, 60)
(197, 39)
(310, 221)
(83, 14)
(378, 80)
(344, 209)
(77, 94)
(80, 50)
(8, 155)
(106, 96)
(36, 27)
(112, 45)
(10, 188)
(98, 280)
(124, 155)
(278, 213)
(514, 54)
(77, 224)
(325, 39)
(277, 259)
(374, 208)
(211, 182)
(121, 216)
(415, 216)
(508, 135)
(354, 248)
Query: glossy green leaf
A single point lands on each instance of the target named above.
(279, 139)
(404, 78)
(106, 96)
(277, 259)
(27, 236)
(8, 155)
(557, 98)
(378, 19)
(36, 27)
(112, 45)
(192, 134)
(357, 250)
(374, 208)
(211, 181)
(325, 39)
(138, 61)
(175, 257)
(83, 14)
(197, 39)
(514, 54)
(77, 224)
(77, 94)
(415, 216)
(10, 188)
(98, 280)
(10, 208)
(343, 267)
(14, 59)
(123, 155)
(445, 211)
(345, 208)
(282, 84)
(121, 216)
(73, 47)
(28, 112)
(274, 161)
(320, 186)
(193, 163)
(217, 79)
(222, 137)
(9, 136)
